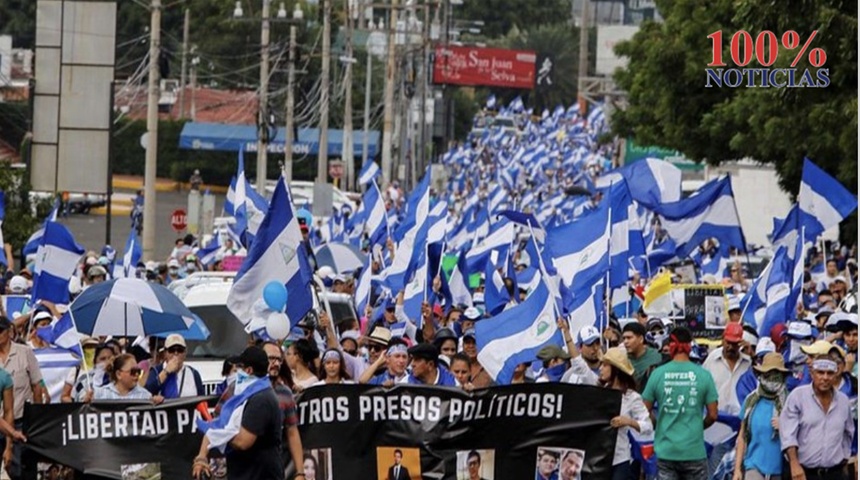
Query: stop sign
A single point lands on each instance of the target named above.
(178, 220)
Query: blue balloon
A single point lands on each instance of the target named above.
(275, 295)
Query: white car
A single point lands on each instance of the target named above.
(303, 193)
(205, 294)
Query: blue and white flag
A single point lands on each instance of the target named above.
(769, 301)
(227, 425)
(625, 241)
(823, 201)
(457, 285)
(56, 364)
(369, 172)
(277, 254)
(499, 240)
(132, 255)
(438, 226)
(243, 202)
(376, 223)
(411, 236)
(491, 102)
(56, 262)
(580, 249)
(364, 286)
(709, 213)
(36, 238)
(517, 334)
(63, 333)
(495, 294)
(651, 181)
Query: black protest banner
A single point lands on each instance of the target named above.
(509, 432)
(704, 311)
(112, 439)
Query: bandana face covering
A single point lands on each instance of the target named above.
(555, 373)
(771, 383)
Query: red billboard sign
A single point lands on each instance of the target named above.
(492, 67)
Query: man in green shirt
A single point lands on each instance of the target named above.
(681, 390)
(643, 357)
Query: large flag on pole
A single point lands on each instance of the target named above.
(277, 254)
(56, 261)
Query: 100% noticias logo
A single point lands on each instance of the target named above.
(765, 47)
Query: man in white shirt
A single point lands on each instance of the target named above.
(727, 365)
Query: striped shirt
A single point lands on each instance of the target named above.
(56, 365)
(109, 392)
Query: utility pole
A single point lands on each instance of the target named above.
(583, 56)
(322, 153)
(149, 177)
(368, 80)
(347, 152)
(291, 101)
(193, 113)
(186, 27)
(425, 60)
(263, 117)
(388, 115)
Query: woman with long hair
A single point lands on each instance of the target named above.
(124, 374)
(333, 369)
(616, 372)
(758, 453)
(310, 466)
(301, 358)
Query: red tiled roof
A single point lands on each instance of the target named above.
(212, 106)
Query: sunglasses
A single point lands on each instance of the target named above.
(176, 350)
(275, 358)
(134, 371)
(376, 348)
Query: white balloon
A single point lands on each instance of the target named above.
(277, 326)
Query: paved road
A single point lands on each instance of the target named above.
(89, 230)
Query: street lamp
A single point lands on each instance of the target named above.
(237, 12)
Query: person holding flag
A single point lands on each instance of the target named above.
(250, 427)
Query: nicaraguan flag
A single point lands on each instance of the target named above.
(364, 286)
(132, 255)
(277, 254)
(56, 262)
(369, 172)
(36, 238)
(376, 223)
(411, 236)
(63, 333)
(227, 425)
(580, 249)
(651, 181)
(438, 222)
(709, 213)
(243, 202)
(499, 240)
(56, 364)
(823, 201)
(517, 334)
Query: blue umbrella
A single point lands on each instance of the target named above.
(341, 257)
(129, 307)
(197, 331)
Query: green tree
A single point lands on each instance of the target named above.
(670, 106)
(22, 215)
(500, 16)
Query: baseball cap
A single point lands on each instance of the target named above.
(470, 333)
(734, 303)
(734, 333)
(472, 313)
(444, 334)
(339, 278)
(764, 345)
(42, 315)
(798, 329)
(174, 339)
(18, 284)
(97, 271)
(839, 278)
(587, 336)
(173, 263)
(550, 352)
(437, 310)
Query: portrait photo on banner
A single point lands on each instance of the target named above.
(54, 471)
(398, 463)
(554, 463)
(141, 471)
(476, 465)
(317, 464)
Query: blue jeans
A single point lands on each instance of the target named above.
(688, 470)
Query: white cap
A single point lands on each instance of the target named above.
(18, 284)
(839, 278)
(174, 339)
(587, 335)
(350, 334)
(173, 263)
(764, 345)
(42, 315)
(325, 271)
(478, 297)
(472, 313)
(734, 303)
(750, 338)
(151, 266)
(799, 329)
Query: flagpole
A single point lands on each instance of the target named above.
(426, 259)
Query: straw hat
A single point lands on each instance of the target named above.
(618, 358)
(771, 361)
